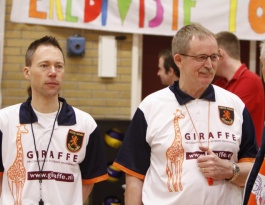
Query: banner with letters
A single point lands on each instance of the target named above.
(245, 18)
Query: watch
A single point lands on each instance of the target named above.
(236, 172)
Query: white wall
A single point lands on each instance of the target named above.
(136, 93)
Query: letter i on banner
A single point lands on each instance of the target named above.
(232, 19)
(141, 14)
(175, 15)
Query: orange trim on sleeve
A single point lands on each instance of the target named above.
(1, 174)
(247, 160)
(95, 180)
(128, 171)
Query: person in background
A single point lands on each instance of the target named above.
(167, 69)
(50, 152)
(235, 77)
(191, 137)
(254, 192)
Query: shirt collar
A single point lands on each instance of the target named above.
(240, 71)
(184, 98)
(65, 117)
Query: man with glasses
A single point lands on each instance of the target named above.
(192, 142)
(234, 76)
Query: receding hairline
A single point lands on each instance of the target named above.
(181, 40)
(44, 41)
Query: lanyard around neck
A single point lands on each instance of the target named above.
(41, 202)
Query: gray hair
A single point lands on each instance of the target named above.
(181, 41)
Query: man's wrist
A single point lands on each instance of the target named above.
(236, 172)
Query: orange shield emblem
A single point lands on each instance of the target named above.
(74, 140)
(226, 115)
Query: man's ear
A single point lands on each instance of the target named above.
(177, 59)
(171, 70)
(222, 52)
(26, 72)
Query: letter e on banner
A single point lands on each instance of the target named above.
(33, 11)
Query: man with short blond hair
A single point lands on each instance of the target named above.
(234, 76)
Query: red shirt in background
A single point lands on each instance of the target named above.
(249, 87)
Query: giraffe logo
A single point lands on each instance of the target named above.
(175, 157)
(16, 174)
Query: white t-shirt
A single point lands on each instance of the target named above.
(74, 155)
(161, 145)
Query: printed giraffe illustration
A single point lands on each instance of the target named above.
(175, 157)
(16, 174)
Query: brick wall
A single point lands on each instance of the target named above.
(103, 98)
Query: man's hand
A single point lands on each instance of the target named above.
(214, 167)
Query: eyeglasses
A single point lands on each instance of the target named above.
(203, 57)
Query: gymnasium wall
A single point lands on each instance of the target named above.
(103, 98)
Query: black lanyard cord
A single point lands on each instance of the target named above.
(41, 202)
